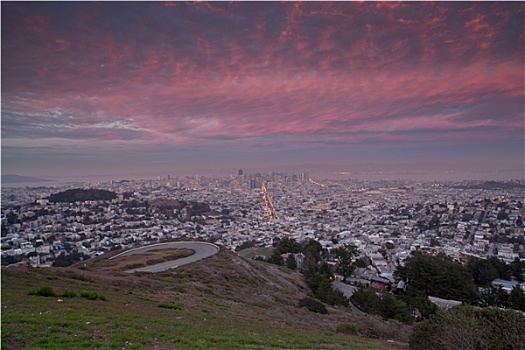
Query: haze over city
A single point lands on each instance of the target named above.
(146, 88)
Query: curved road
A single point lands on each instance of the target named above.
(348, 290)
(202, 250)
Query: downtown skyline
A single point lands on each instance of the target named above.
(135, 88)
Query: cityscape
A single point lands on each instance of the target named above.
(470, 218)
(263, 175)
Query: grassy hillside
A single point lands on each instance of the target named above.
(222, 302)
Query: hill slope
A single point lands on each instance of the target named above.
(12, 178)
(224, 302)
(82, 195)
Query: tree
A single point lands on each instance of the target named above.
(483, 271)
(363, 262)
(276, 258)
(319, 279)
(366, 300)
(517, 298)
(393, 308)
(291, 263)
(503, 269)
(434, 222)
(11, 218)
(321, 286)
(345, 254)
(502, 215)
(386, 305)
(495, 296)
(325, 270)
(517, 268)
(425, 306)
(288, 245)
(314, 248)
(309, 263)
(437, 276)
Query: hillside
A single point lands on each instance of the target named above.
(224, 302)
(81, 195)
(490, 185)
(12, 178)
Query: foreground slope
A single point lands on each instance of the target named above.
(224, 302)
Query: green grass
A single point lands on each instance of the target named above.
(92, 296)
(45, 291)
(136, 321)
(170, 305)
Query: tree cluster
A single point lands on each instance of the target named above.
(319, 279)
(437, 276)
(345, 255)
(496, 296)
(385, 305)
(442, 277)
(484, 271)
(317, 272)
(64, 260)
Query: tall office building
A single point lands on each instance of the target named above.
(240, 172)
(306, 175)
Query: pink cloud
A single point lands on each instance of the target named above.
(354, 74)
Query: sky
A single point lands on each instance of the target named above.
(133, 88)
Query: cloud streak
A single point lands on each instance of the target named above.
(204, 73)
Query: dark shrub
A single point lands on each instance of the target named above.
(68, 294)
(313, 305)
(154, 261)
(134, 266)
(464, 327)
(374, 327)
(170, 305)
(45, 291)
(92, 296)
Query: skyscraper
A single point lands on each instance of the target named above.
(306, 175)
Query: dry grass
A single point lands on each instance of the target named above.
(122, 263)
(374, 327)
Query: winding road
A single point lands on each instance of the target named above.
(202, 250)
(348, 290)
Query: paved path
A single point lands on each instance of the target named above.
(202, 250)
(348, 291)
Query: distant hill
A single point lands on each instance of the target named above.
(12, 178)
(491, 185)
(81, 195)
